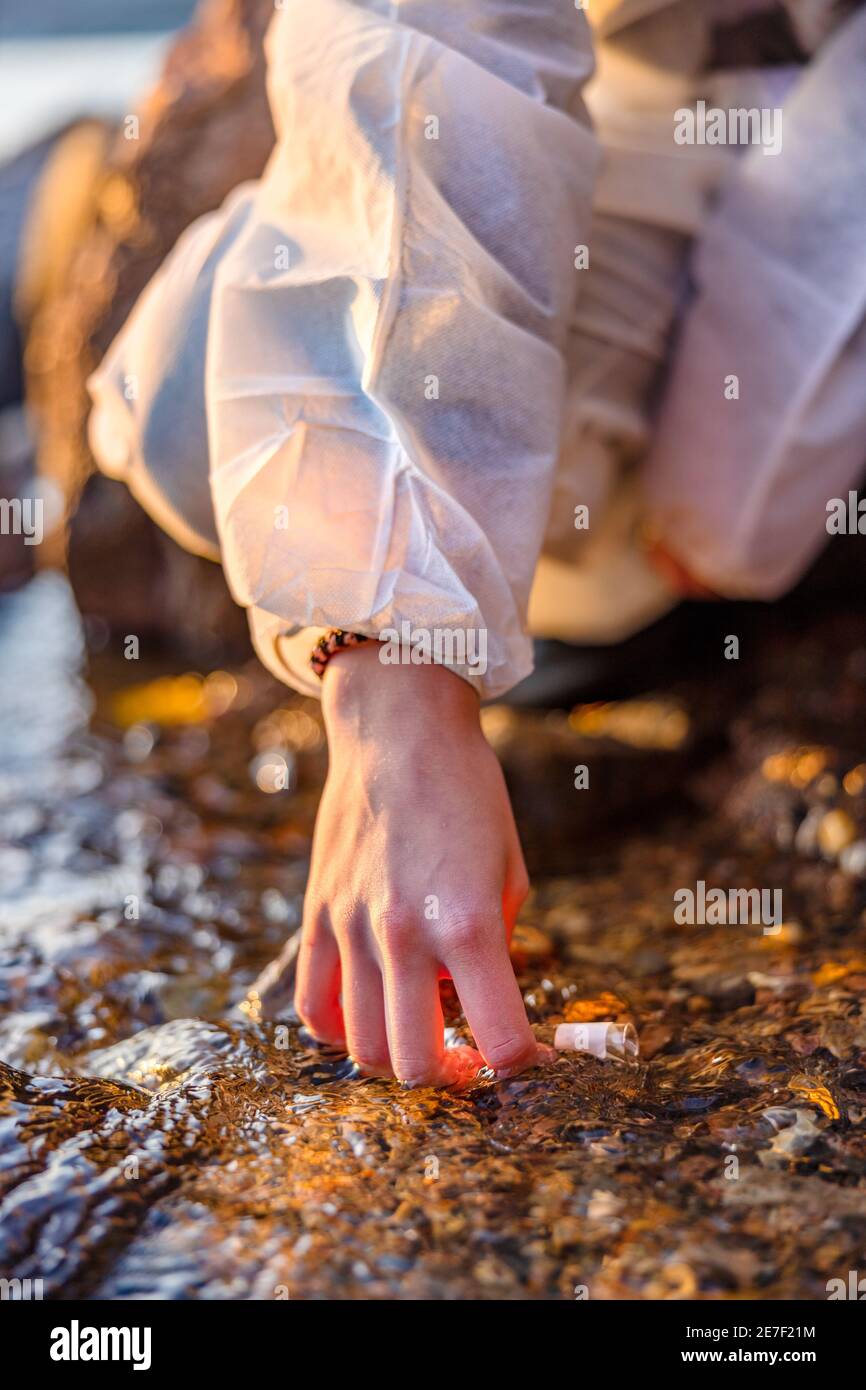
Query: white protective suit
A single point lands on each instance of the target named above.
(404, 407)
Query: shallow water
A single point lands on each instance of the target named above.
(159, 1139)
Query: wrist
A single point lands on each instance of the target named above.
(363, 696)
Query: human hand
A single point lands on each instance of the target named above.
(416, 872)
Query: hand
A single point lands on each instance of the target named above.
(673, 571)
(416, 872)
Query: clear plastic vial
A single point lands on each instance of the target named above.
(605, 1040)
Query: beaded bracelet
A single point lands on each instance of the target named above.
(335, 640)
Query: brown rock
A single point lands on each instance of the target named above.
(204, 128)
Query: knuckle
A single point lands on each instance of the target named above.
(352, 930)
(395, 932)
(465, 935)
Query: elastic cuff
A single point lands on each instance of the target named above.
(285, 651)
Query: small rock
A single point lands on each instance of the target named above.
(603, 1205)
(806, 838)
(654, 1038)
(853, 859)
(835, 832)
(605, 1005)
(796, 1132)
(529, 946)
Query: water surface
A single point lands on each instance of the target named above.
(159, 1139)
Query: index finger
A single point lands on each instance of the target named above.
(489, 993)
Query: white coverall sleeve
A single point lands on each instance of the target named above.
(384, 375)
(738, 488)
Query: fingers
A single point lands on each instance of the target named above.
(389, 1016)
(489, 993)
(413, 1014)
(363, 1006)
(317, 990)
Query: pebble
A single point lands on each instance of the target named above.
(853, 859)
(835, 832)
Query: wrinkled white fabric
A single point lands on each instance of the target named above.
(596, 585)
(415, 412)
(739, 498)
(384, 352)
(387, 309)
(738, 489)
(148, 424)
(372, 267)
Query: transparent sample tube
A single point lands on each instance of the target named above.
(606, 1040)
